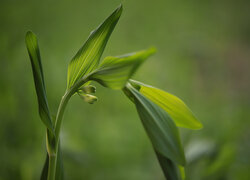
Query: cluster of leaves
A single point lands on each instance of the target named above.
(160, 112)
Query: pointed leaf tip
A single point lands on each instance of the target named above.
(35, 59)
(88, 56)
(115, 71)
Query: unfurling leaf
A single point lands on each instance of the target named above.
(160, 128)
(34, 54)
(114, 72)
(88, 57)
(175, 107)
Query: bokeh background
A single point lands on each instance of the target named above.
(203, 57)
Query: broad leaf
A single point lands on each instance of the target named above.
(34, 54)
(171, 170)
(114, 72)
(88, 57)
(176, 108)
(160, 128)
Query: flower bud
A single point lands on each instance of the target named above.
(88, 89)
(88, 98)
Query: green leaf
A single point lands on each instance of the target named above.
(44, 174)
(170, 169)
(114, 72)
(175, 107)
(160, 128)
(34, 54)
(88, 57)
(59, 167)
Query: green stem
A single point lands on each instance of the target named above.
(52, 167)
(59, 117)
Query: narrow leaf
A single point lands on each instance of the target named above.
(175, 107)
(170, 169)
(114, 72)
(88, 57)
(34, 54)
(44, 174)
(160, 128)
(59, 167)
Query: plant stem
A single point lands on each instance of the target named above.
(52, 167)
(59, 117)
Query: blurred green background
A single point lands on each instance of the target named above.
(203, 57)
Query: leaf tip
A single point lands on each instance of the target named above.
(29, 34)
(152, 50)
(198, 126)
(119, 8)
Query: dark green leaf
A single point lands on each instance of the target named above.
(114, 72)
(170, 169)
(34, 54)
(175, 107)
(88, 57)
(160, 128)
(44, 174)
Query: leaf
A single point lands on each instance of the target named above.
(160, 128)
(44, 174)
(170, 169)
(88, 57)
(114, 72)
(59, 167)
(34, 54)
(175, 107)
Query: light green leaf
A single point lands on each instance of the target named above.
(34, 54)
(176, 108)
(88, 57)
(114, 72)
(160, 128)
(171, 170)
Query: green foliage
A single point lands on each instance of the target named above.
(175, 107)
(159, 111)
(114, 72)
(170, 169)
(34, 53)
(88, 57)
(160, 128)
